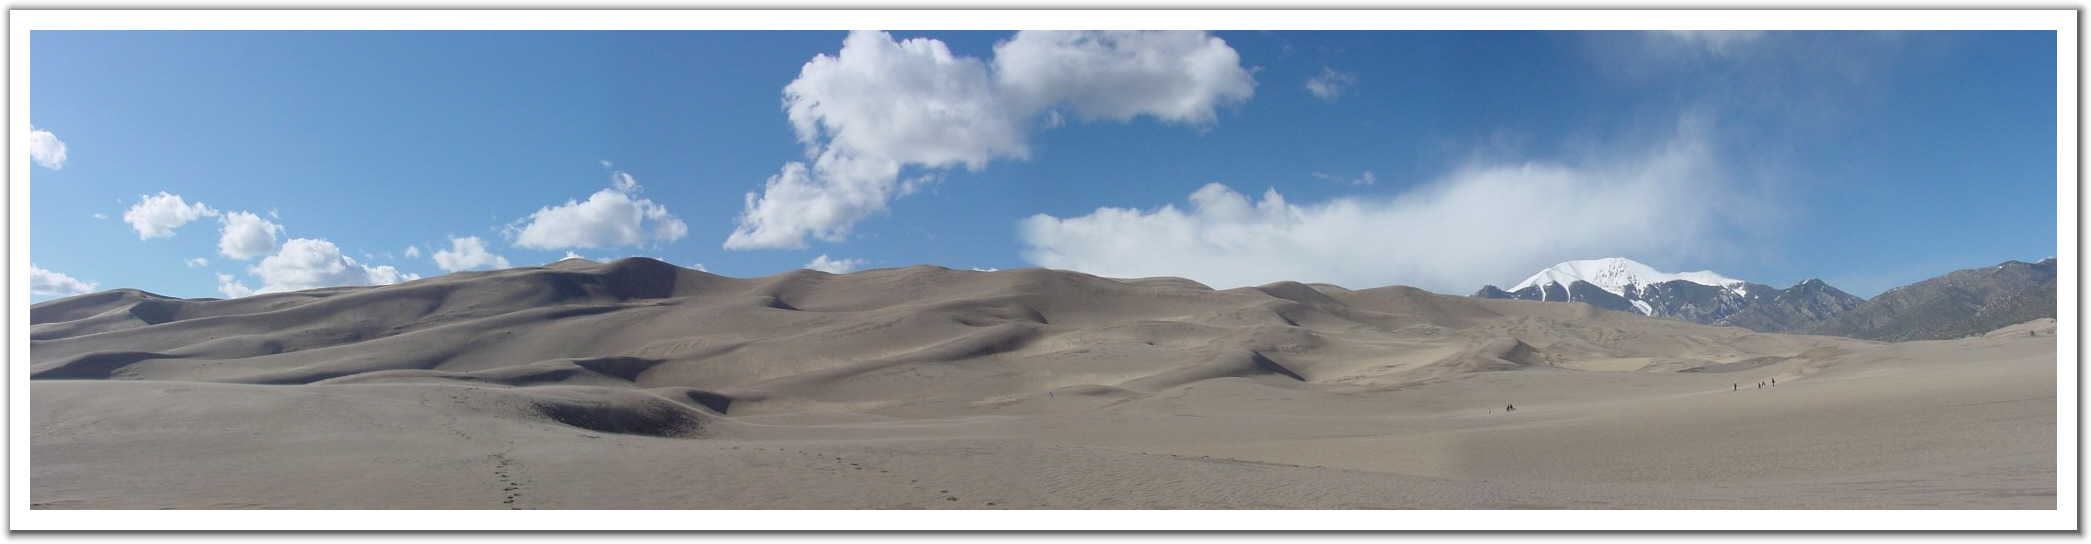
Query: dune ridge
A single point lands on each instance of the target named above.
(812, 336)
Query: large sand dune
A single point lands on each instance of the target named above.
(637, 384)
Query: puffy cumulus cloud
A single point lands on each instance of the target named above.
(245, 235)
(45, 282)
(156, 216)
(467, 253)
(232, 288)
(834, 266)
(1177, 76)
(611, 217)
(1487, 223)
(45, 149)
(196, 262)
(304, 263)
(412, 252)
(881, 105)
(823, 202)
(910, 101)
(1330, 84)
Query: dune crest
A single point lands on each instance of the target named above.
(848, 342)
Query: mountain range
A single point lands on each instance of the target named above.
(1963, 303)
(1703, 297)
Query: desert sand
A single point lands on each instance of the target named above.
(640, 385)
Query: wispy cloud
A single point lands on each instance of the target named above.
(1713, 42)
(881, 105)
(1362, 180)
(1482, 223)
(1330, 84)
(196, 262)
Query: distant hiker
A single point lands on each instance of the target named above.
(1775, 382)
(1738, 386)
(1510, 408)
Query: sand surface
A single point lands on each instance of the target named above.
(639, 385)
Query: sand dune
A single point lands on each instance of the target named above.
(924, 387)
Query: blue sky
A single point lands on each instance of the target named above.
(1440, 159)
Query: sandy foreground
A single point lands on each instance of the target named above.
(636, 385)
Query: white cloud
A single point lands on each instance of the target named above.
(245, 235)
(979, 269)
(157, 216)
(699, 267)
(834, 266)
(101, 216)
(45, 282)
(1330, 84)
(880, 105)
(467, 253)
(910, 101)
(1176, 76)
(1718, 43)
(304, 263)
(196, 262)
(1488, 223)
(822, 202)
(45, 149)
(1362, 180)
(232, 288)
(572, 255)
(412, 252)
(609, 218)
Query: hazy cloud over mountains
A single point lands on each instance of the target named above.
(1487, 220)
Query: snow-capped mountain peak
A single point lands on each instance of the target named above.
(1615, 274)
(1704, 297)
